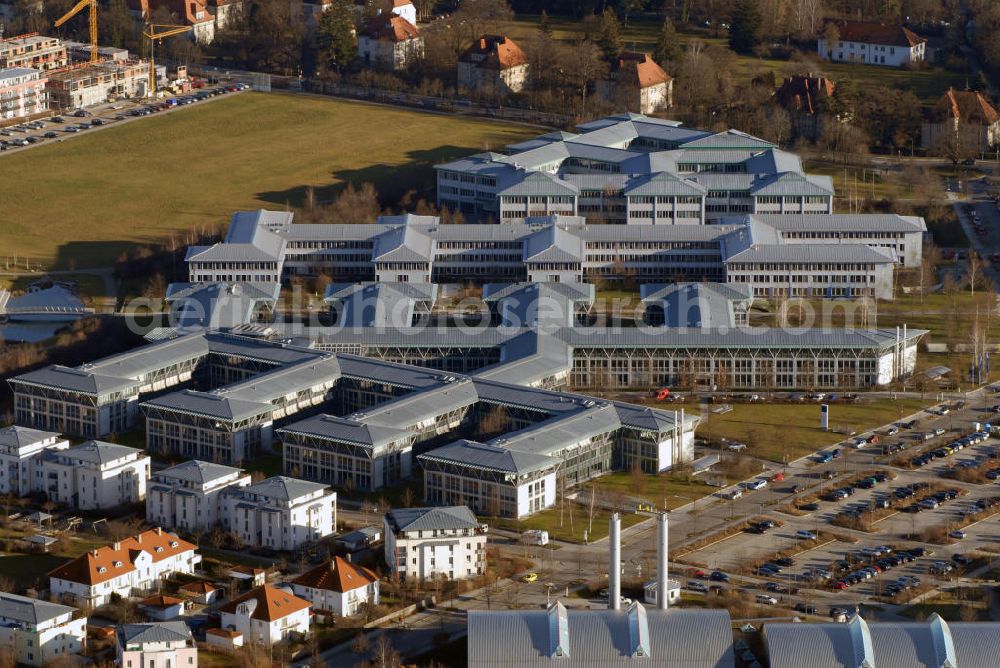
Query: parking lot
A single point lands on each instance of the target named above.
(63, 126)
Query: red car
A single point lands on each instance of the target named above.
(840, 585)
(698, 573)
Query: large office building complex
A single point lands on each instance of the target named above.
(793, 255)
(636, 170)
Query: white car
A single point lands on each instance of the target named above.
(766, 600)
(892, 431)
(802, 534)
(736, 447)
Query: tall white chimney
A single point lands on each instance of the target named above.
(615, 567)
(661, 561)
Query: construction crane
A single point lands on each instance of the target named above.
(155, 31)
(79, 7)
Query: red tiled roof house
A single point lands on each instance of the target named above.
(493, 64)
(338, 586)
(390, 41)
(966, 112)
(870, 44)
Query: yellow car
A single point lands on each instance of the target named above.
(530, 577)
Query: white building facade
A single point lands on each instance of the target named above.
(38, 632)
(189, 496)
(281, 513)
(161, 645)
(22, 452)
(133, 566)
(338, 586)
(22, 92)
(96, 475)
(871, 44)
(266, 615)
(422, 543)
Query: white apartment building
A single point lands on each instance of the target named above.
(96, 475)
(390, 41)
(281, 513)
(39, 632)
(871, 44)
(160, 645)
(189, 496)
(338, 586)
(130, 567)
(266, 615)
(22, 92)
(423, 542)
(22, 451)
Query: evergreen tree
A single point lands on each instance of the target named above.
(609, 41)
(745, 32)
(335, 35)
(543, 24)
(667, 47)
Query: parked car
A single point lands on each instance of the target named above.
(764, 599)
(802, 534)
(700, 587)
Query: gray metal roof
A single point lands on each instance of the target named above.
(98, 452)
(682, 638)
(553, 243)
(728, 139)
(218, 305)
(809, 254)
(931, 644)
(345, 430)
(209, 404)
(281, 488)
(197, 471)
(490, 457)
(30, 611)
(138, 634)
(11, 72)
(402, 244)
(698, 304)
(410, 409)
(552, 436)
(75, 380)
(837, 222)
(17, 437)
(538, 304)
(536, 184)
(387, 304)
(430, 519)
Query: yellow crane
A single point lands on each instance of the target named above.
(153, 32)
(79, 7)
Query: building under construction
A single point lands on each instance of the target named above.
(86, 85)
(35, 51)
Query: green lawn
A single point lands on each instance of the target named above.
(26, 568)
(549, 521)
(82, 201)
(788, 431)
(658, 489)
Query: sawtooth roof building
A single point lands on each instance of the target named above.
(636, 170)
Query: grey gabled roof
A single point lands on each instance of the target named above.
(729, 139)
(490, 457)
(837, 222)
(17, 437)
(403, 244)
(536, 183)
(99, 452)
(217, 305)
(344, 430)
(387, 304)
(429, 519)
(30, 610)
(810, 253)
(553, 244)
(68, 379)
(208, 404)
(198, 471)
(698, 304)
(282, 488)
(138, 634)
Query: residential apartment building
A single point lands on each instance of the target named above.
(281, 513)
(638, 84)
(266, 615)
(36, 52)
(965, 114)
(189, 496)
(870, 44)
(22, 92)
(38, 633)
(338, 586)
(390, 41)
(96, 475)
(130, 567)
(493, 65)
(22, 453)
(159, 645)
(89, 85)
(423, 543)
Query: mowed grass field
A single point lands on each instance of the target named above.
(80, 202)
(785, 432)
